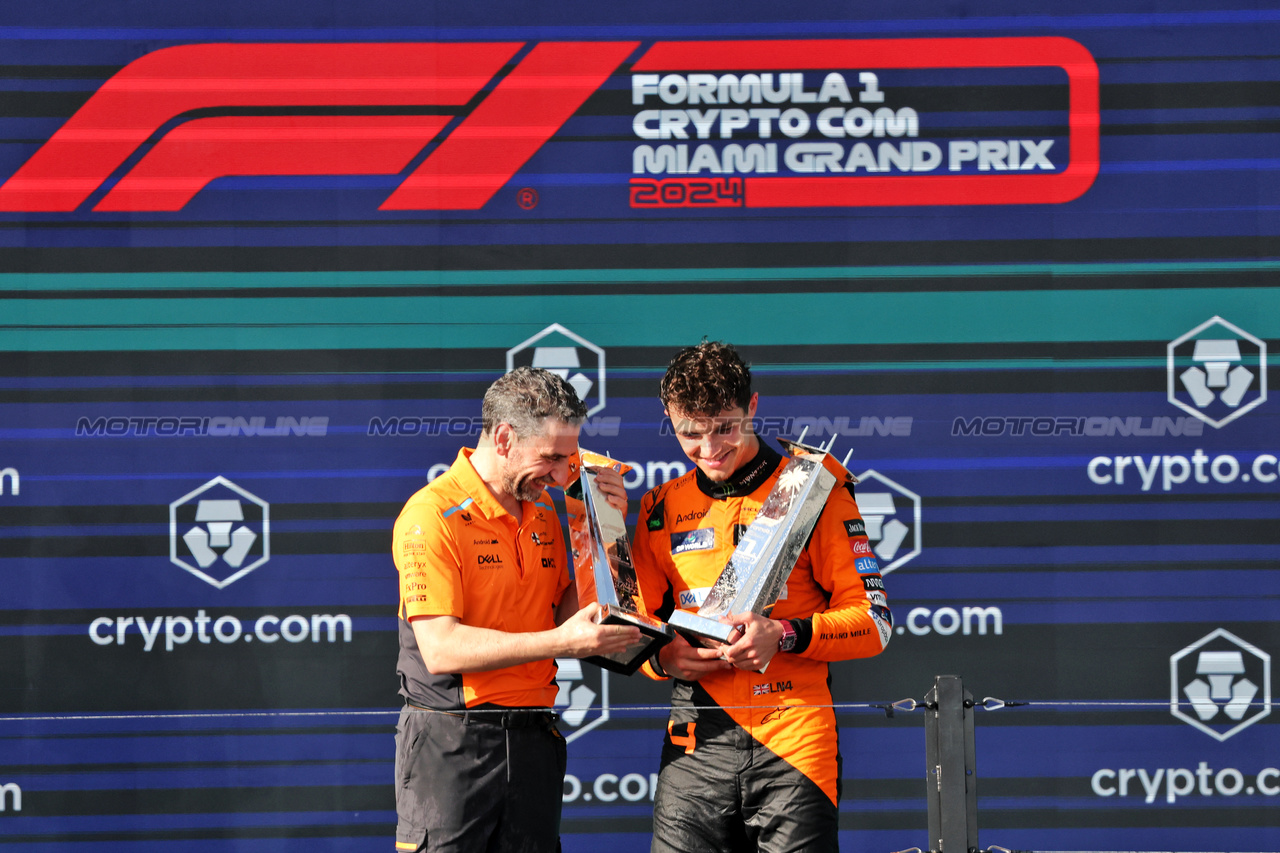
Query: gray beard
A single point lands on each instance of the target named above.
(524, 489)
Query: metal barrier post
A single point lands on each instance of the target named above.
(951, 772)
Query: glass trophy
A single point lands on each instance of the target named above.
(602, 563)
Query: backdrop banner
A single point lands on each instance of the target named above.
(259, 262)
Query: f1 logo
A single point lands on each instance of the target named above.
(155, 94)
(170, 122)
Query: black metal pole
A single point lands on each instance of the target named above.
(950, 767)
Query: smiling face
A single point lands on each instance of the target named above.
(718, 445)
(533, 463)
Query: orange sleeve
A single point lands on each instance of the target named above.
(428, 563)
(650, 577)
(857, 622)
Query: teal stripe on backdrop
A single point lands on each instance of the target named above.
(60, 282)
(793, 318)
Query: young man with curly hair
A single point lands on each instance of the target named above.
(751, 760)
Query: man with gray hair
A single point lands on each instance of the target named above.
(486, 605)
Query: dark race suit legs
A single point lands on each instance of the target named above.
(732, 794)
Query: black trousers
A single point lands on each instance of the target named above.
(731, 794)
(479, 782)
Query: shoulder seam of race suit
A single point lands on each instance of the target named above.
(656, 495)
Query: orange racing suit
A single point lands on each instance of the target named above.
(751, 760)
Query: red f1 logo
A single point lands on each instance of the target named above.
(153, 94)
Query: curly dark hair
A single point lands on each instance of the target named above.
(706, 379)
(526, 397)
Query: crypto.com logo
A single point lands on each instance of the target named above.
(582, 366)
(1222, 372)
(1226, 684)
(151, 137)
(218, 531)
(579, 688)
(892, 520)
(154, 95)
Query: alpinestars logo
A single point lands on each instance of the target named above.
(891, 518)
(221, 528)
(1220, 684)
(1217, 372)
(572, 357)
(583, 697)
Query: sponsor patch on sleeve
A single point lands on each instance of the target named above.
(870, 582)
(655, 516)
(702, 539)
(884, 622)
(867, 566)
(860, 546)
(855, 527)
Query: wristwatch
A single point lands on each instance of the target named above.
(787, 641)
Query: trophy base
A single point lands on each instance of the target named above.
(698, 630)
(701, 631)
(654, 635)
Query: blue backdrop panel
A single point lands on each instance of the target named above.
(1030, 287)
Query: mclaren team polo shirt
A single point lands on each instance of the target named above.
(459, 553)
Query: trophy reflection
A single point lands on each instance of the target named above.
(602, 563)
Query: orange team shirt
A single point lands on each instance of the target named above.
(459, 553)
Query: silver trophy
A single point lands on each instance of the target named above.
(759, 567)
(602, 563)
